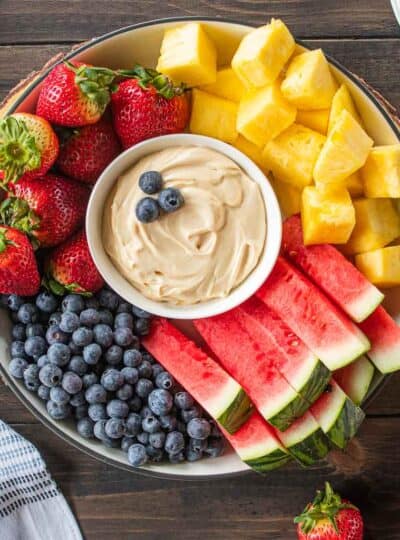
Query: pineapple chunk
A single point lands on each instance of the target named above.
(262, 53)
(327, 215)
(381, 172)
(317, 120)
(377, 224)
(345, 151)
(342, 100)
(381, 266)
(354, 184)
(213, 116)
(263, 114)
(288, 196)
(292, 155)
(188, 55)
(251, 150)
(309, 83)
(227, 85)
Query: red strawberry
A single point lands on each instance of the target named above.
(70, 267)
(329, 517)
(28, 147)
(147, 106)
(87, 151)
(18, 268)
(75, 94)
(49, 209)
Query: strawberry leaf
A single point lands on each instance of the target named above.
(4, 241)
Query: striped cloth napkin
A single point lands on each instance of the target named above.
(31, 506)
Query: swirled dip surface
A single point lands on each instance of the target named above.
(203, 250)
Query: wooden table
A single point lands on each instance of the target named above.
(115, 505)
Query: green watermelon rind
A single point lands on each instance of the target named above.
(310, 450)
(237, 412)
(316, 383)
(377, 380)
(346, 425)
(286, 416)
(269, 462)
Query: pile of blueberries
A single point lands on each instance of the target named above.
(83, 357)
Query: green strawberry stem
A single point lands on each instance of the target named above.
(17, 213)
(59, 289)
(18, 150)
(326, 505)
(4, 241)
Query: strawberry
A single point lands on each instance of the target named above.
(18, 268)
(28, 147)
(48, 209)
(70, 267)
(75, 94)
(148, 105)
(85, 152)
(329, 517)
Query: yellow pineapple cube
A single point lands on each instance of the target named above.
(227, 85)
(342, 100)
(317, 120)
(377, 224)
(354, 184)
(345, 151)
(288, 196)
(251, 150)
(263, 114)
(262, 53)
(381, 172)
(327, 215)
(291, 156)
(213, 116)
(309, 83)
(381, 266)
(188, 55)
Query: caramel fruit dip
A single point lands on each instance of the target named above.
(199, 252)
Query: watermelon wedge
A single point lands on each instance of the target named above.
(294, 360)
(253, 367)
(305, 440)
(311, 315)
(220, 395)
(384, 335)
(356, 379)
(331, 271)
(257, 445)
(337, 415)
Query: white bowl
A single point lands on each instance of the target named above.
(114, 278)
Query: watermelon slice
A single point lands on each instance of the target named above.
(332, 272)
(384, 335)
(257, 445)
(321, 325)
(294, 360)
(220, 395)
(305, 440)
(356, 379)
(252, 365)
(337, 415)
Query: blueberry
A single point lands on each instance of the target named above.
(198, 445)
(96, 394)
(55, 318)
(14, 302)
(132, 358)
(155, 454)
(91, 302)
(73, 302)
(125, 392)
(78, 365)
(55, 335)
(157, 439)
(82, 336)
(174, 442)
(117, 408)
(147, 356)
(143, 437)
(34, 329)
(46, 301)
(18, 332)
(17, 366)
(170, 199)
(156, 370)
(115, 428)
(28, 313)
(150, 182)
(103, 335)
(78, 399)
(144, 387)
(59, 354)
(108, 299)
(58, 411)
(135, 404)
(85, 428)
(76, 350)
(168, 422)
(112, 379)
(42, 361)
(92, 354)
(113, 355)
(111, 443)
(123, 320)
(89, 379)
(99, 429)
(43, 392)
(179, 457)
(105, 317)
(35, 346)
(160, 401)
(137, 455)
(215, 446)
(59, 395)
(140, 313)
(31, 377)
(123, 337)
(50, 375)
(17, 349)
(215, 431)
(145, 370)
(71, 382)
(133, 424)
(126, 443)
(81, 411)
(150, 424)
(123, 307)
(89, 317)
(183, 400)
(193, 455)
(141, 327)
(189, 414)
(146, 411)
(198, 428)
(69, 322)
(147, 210)
(164, 380)
(97, 411)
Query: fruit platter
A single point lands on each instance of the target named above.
(145, 178)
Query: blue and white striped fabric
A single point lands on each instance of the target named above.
(31, 506)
